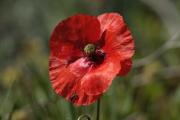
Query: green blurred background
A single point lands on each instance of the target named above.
(151, 91)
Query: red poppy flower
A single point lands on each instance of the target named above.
(87, 53)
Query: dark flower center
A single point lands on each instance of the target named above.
(95, 55)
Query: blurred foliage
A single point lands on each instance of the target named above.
(150, 92)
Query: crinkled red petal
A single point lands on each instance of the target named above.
(64, 50)
(66, 80)
(111, 22)
(100, 77)
(123, 44)
(122, 41)
(78, 30)
(118, 38)
(126, 66)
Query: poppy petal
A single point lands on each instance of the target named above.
(98, 79)
(63, 50)
(79, 29)
(70, 36)
(66, 80)
(125, 67)
(111, 22)
(118, 36)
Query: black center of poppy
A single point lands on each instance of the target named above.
(89, 49)
(94, 54)
(97, 57)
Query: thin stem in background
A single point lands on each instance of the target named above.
(98, 109)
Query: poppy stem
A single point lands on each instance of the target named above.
(97, 115)
(98, 109)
